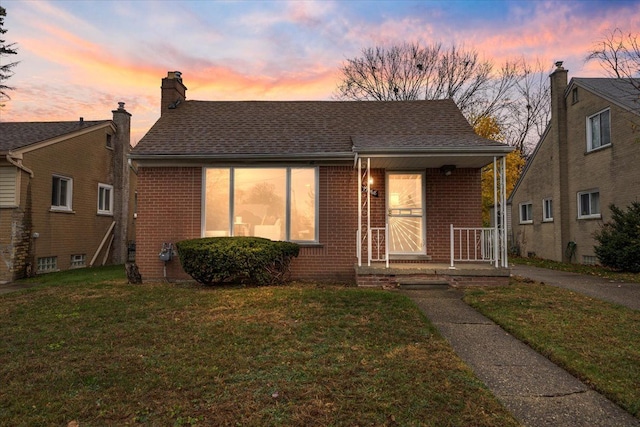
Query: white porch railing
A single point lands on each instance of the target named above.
(474, 245)
(379, 247)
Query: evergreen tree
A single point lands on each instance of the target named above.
(6, 70)
(618, 240)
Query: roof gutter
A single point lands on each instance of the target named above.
(438, 151)
(17, 164)
(340, 156)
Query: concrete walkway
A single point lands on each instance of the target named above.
(537, 392)
(627, 294)
(5, 288)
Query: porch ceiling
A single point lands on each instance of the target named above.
(418, 161)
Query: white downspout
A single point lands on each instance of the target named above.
(10, 159)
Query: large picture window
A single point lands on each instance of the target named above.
(598, 130)
(274, 203)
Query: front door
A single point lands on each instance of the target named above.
(405, 210)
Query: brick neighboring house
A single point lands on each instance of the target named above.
(368, 189)
(586, 160)
(66, 192)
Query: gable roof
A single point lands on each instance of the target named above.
(17, 135)
(622, 92)
(618, 91)
(308, 129)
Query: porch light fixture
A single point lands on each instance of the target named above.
(447, 170)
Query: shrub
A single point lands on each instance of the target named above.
(213, 260)
(619, 239)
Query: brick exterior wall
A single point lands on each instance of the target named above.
(454, 199)
(87, 161)
(170, 206)
(169, 210)
(612, 170)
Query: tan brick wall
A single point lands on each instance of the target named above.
(612, 170)
(87, 161)
(542, 181)
(169, 210)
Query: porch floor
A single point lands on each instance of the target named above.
(377, 275)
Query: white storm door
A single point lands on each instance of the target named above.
(405, 213)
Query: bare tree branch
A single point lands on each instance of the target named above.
(410, 71)
(618, 54)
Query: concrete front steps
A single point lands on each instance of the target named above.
(429, 275)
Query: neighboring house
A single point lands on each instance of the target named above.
(65, 194)
(587, 159)
(364, 187)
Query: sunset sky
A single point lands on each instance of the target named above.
(79, 58)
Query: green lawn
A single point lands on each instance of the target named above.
(596, 341)
(87, 347)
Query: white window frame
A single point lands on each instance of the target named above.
(589, 215)
(590, 119)
(547, 210)
(68, 206)
(529, 219)
(102, 188)
(287, 224)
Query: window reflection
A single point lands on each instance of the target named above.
(254, 201)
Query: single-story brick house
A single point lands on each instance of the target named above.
(370, 190)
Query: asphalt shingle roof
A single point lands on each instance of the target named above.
(215, 128)
(620, 91)
(16, 135)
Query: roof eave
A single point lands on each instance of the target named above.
(439, 151)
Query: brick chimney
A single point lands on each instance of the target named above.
(560, 139)
(173, 91)
(121, 144)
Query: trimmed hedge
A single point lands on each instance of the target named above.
(214, 260)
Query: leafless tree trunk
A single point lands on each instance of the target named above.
(514, 94)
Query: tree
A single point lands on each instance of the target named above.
(6, 70)
(619, 55)
(487, 127)
(618, 240)
(514, 94)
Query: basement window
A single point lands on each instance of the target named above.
(47, 264)
(78, 261)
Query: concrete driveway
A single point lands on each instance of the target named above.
(627, 294)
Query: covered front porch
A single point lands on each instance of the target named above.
(419, 219)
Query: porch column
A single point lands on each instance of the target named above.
(500, 212)
(359, 230)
